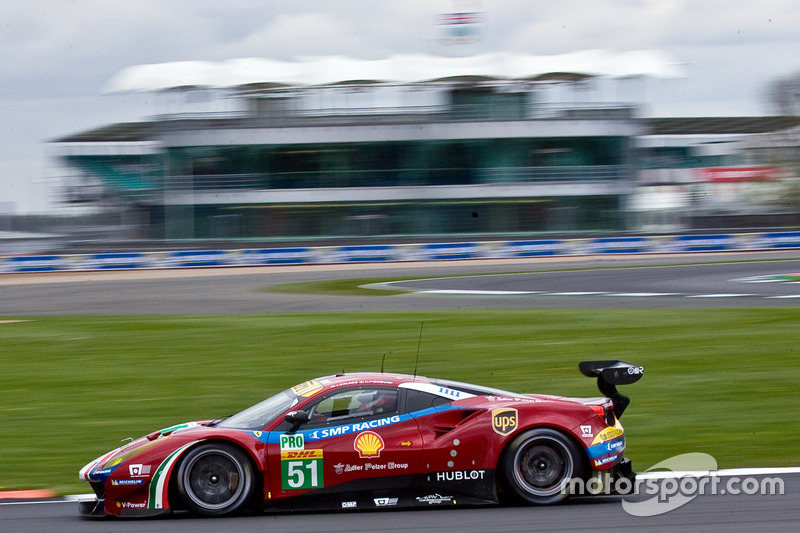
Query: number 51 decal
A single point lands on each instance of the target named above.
(301, 469)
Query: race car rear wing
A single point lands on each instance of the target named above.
(610, 374)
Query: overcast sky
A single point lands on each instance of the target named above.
(56, 55)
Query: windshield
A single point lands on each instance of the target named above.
(261, 414)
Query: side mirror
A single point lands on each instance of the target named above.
(296, 419)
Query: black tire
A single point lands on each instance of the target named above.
(539, 464)
(215, 479)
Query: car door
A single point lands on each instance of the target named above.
(356, 440)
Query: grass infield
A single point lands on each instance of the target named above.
(719, 381)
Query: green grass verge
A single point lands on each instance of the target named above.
(720, 381)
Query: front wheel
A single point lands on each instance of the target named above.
(215, 479)
(539, 464)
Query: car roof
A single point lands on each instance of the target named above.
(396, 380)
(367, 378)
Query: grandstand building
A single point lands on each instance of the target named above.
(411, 146)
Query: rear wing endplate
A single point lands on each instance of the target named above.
(610, 374)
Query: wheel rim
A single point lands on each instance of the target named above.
(543, 467)
(214, 480)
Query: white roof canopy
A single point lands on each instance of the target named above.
(399, 68)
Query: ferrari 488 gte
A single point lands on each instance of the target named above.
(372, 440)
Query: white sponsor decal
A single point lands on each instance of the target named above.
(434, 499)
(121, 482)
(460, 475)
(438, 390)
(139, 470)
(132, 505)
(352, 428)
(341, 468)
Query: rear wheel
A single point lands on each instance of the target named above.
(539, 464)
(215, 479)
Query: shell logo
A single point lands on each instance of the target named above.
(368, 444)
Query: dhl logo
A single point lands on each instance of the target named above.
(504, 421)
(301, 454)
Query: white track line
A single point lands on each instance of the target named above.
(721, 473)
(722, 295)
(476, 292)
(643, 294)
(469, 292)
(576, 293)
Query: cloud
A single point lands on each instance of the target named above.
(54, 53)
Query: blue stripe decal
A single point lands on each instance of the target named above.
(606, 448)
(311, 435)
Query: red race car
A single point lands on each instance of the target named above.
(372, 440)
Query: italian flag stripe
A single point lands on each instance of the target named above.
(158, 485)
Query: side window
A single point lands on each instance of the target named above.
(353, 403)
(418, 400)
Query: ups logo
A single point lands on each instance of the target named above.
(504, 421)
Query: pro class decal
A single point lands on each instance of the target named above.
(504, 421)
(292, 442)
(301, 469)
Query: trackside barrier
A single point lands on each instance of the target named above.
(704, 243)
(361, 254)
(199, 258)
(448, 251)
(780, 240)
(619, 245)
(533, 249)
(277, 256)
(34, 263)
(401, 252)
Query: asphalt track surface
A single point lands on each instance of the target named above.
(722, 280)
(708, 512)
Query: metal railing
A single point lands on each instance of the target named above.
(345, 116)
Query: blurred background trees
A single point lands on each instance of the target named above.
(783, 95)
